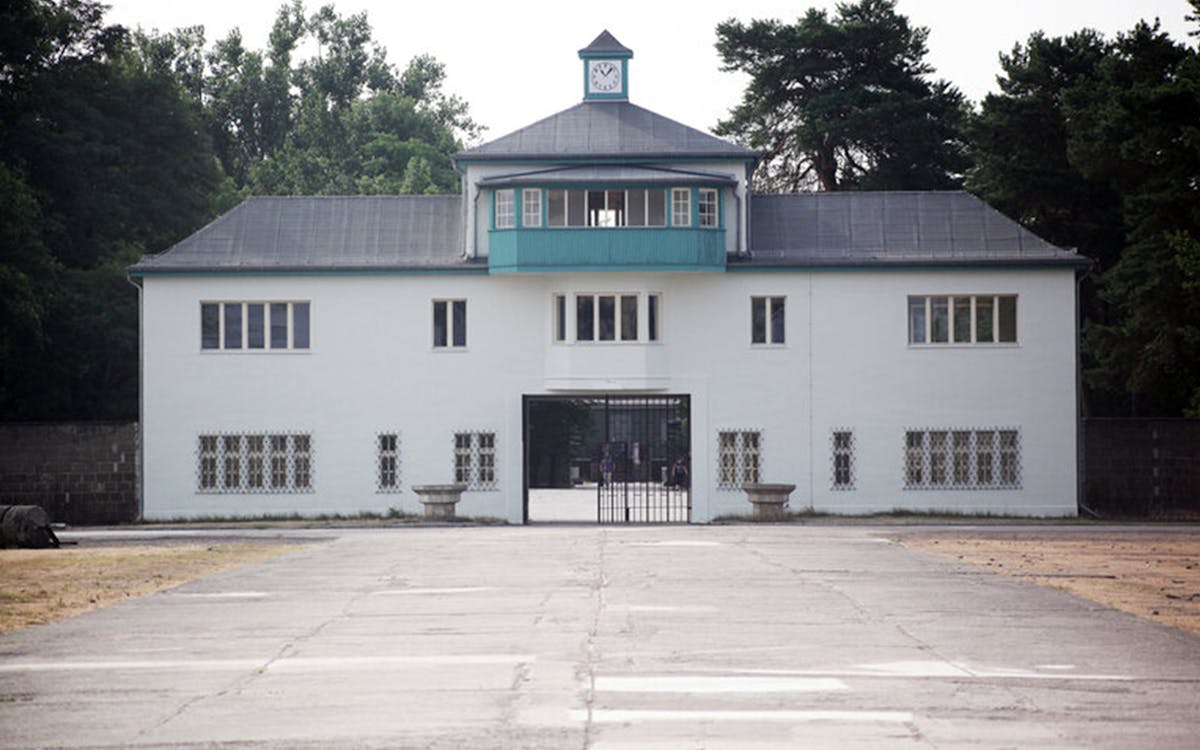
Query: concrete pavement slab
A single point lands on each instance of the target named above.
(665, 638)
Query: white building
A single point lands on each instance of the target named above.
(608, 268)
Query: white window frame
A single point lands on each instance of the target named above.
(505, 210)
(739, 458)
(709, 206)
(681, 207)
(242, 334)
(531, 208)
(450, 317)
(962, 458)
(926, 302)
(565, 321)
(770, 303)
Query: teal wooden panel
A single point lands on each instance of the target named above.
(519, 250)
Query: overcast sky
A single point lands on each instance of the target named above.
(515, 63)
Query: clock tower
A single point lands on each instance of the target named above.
(605, 68)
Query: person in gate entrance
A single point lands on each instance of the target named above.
(679, 473)
(606, 467)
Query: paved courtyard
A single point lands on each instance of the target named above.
(656, 638)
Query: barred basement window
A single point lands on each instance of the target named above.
(387, 476)
(475, 460)
(843, 459)
(254, 463)
(962, 459)
(739, 456)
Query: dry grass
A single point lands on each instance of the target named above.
(1150, 574)
(40, 586)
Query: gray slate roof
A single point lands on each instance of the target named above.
(606, 130)
(891, 228)
(807, 230)
(605, 43)
(323, 233)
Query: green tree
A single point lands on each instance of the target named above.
(843, 102)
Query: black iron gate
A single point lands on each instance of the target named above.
(645, 470)
(633, 449)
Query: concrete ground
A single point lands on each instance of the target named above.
(656, 638)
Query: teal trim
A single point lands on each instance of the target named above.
(606, 249)
(622, 92)
(518, 200)
(695, 206)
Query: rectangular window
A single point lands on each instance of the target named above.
(255, 462)
(560, 317)
(531, 207)
(585, 326)
(843, 460)
(636, 201)
(387, 475)
(255, 326)
(239, 326)
(210, 325)
(767, 320)
(963, 319)
(576, 208)
(475, 460)
(449, 323)
(656, 208)
(707, 207)
(962, 459)
(607, 317)
(556, 208)
(279, 325)
(739, 458)
(505, 212)
(629, 317)
(681, 207)
(233, 325)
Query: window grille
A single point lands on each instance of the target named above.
(267, 463)
(842, 444)
(962, 459)
(387, 475)
(739, 458)
(475, 460)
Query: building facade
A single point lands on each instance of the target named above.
(879, 350)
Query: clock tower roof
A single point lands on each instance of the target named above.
(605, 45)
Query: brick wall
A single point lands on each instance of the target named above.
(1143, 468)
(81, 473)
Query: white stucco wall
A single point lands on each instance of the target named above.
(846, 364)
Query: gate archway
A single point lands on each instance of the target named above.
(626, 456)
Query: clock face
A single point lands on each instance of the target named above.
(604, 76)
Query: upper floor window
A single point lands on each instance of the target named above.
(506, 217)
(608, 317)
(449, 323)
(962, 319)
(708, 207)
(531, 207)
(681, 207)
(241, 326)
(606, 208)
(767, 320)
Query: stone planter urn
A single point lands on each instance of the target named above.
(768, 499)
(439, 499)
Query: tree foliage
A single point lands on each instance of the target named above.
(116, 144)
(1095, 144)
(843, 102)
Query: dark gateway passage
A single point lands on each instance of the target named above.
(633, 451)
